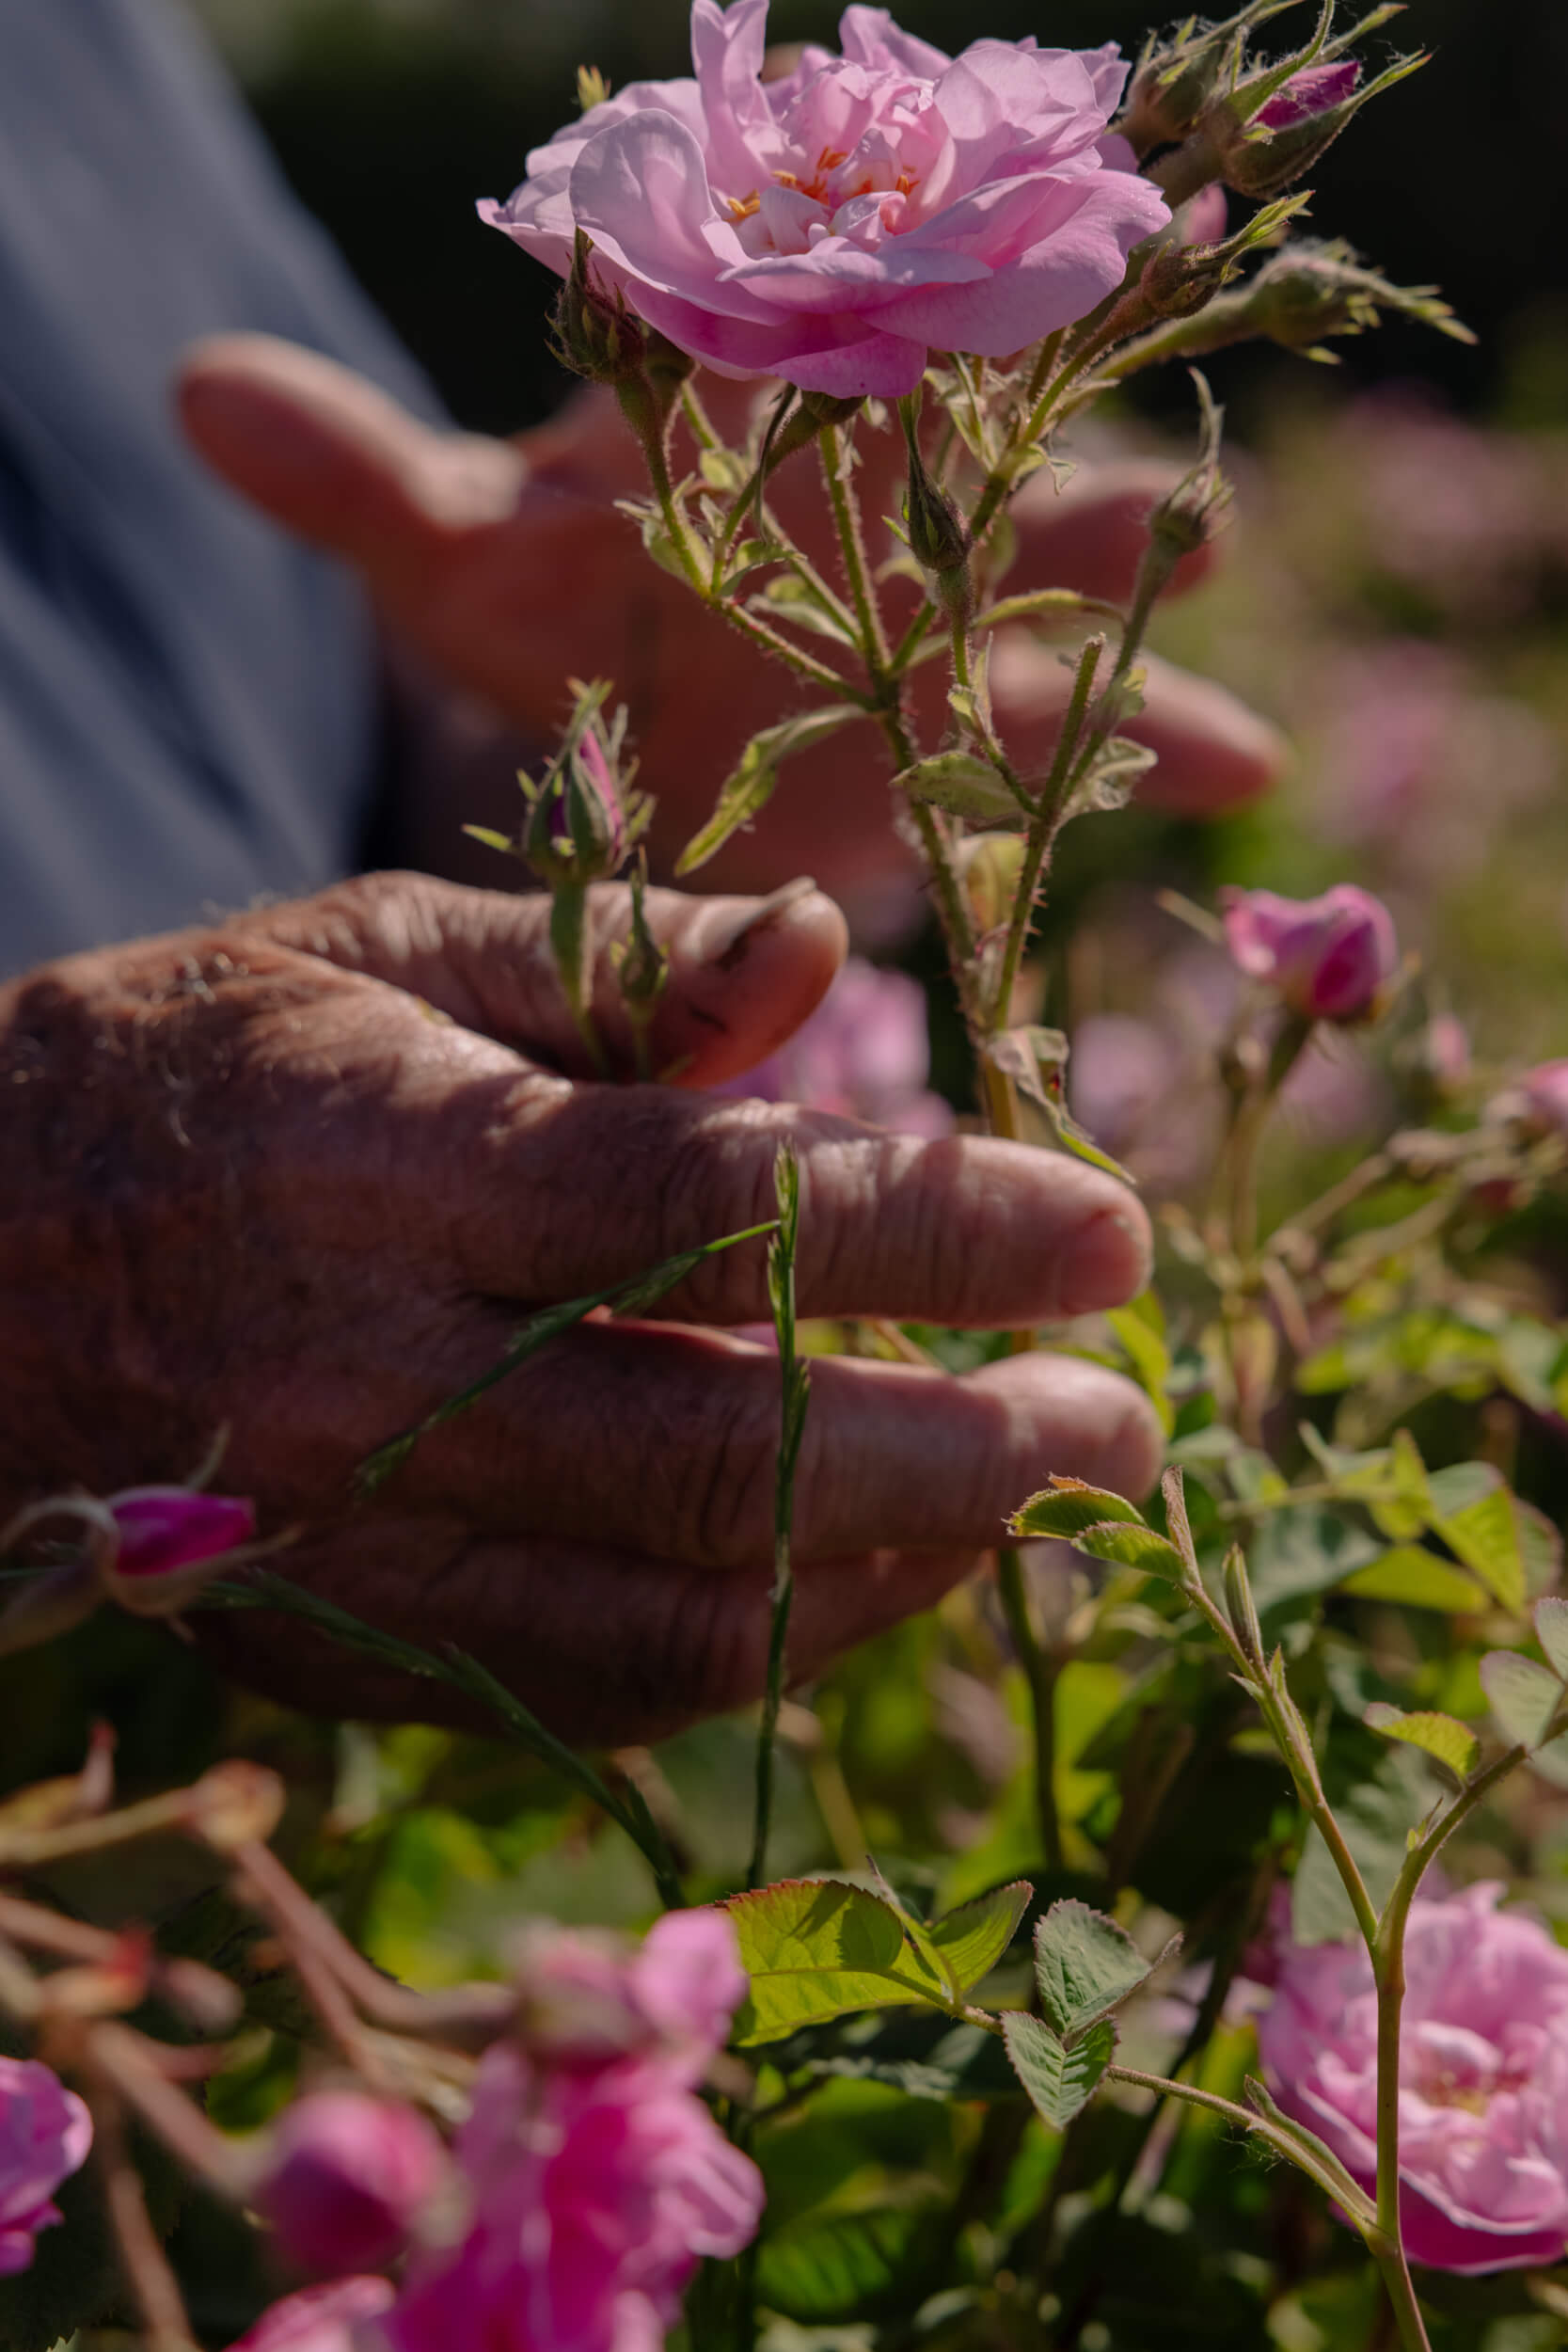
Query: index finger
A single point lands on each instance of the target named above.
(568, 1189)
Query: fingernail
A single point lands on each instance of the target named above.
(1110, 1263)
(730, 939)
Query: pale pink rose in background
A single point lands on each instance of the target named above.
(1204, 217)
(1311, 92)
(1334, 1091)
(1328, 958)
(165, 1528)
(865, 1051)
(1408, 735)
(318, 2319)
(1145, 1092)
(345, 2180)
(833, 227)
(594, 2196)
(1484, 2076)
(1465, 514)
(45, 2132)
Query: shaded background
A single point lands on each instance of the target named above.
(391, 116)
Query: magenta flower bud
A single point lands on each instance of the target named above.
(1329, 959)
(346, 2179)
(165, 1528)
(318, 2319)
(45, 2132)
(1312, 91)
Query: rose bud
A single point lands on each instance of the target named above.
(45, 2132)
(346, 2179)
(163, 1527)
(1328, 958)
(1311, 92)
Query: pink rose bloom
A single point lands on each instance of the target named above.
(594, 2196)
(832, 226)
(1484, 2076)
(865, 1052)
(1328, 958)
(163, 1527)
(346, 2178)
(318, 2319)
(1311, 92)
(45, 2132)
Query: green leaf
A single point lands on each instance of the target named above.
(1127, 1547)
(1418, 1579)
(1486, 1536)
(1551, 1631)
(1524, 1696)
(819, 1947)
(919, 2052)
(1404, 1505)
(1060, 2082)
(1449, 1743)
(823, 2270)
(1067, 1507)
(973, 1939)
(964, 784)
(748, 786)
(1084, 1967)
(1144, 1343)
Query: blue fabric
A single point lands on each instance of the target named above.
(188, 700)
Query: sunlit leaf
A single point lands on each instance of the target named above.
(1486, 1536)
(1060, 2082)
(1449, 1742)
(1404, 1505)
(1524, 1696)
(1084, 1967)
(973, 1939)
(1416, 1579)
(1129, 1546)
(817, 1949)
(748, 789)
(1144, 1343)
(1067, 1506)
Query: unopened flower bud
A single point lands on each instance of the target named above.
(346, 2179)
(582, 816)
(939, 537)
(165, 1528)
(1188, 516)
(1179, 280)
(592, 330)
(1308, 94)
(1327, 958)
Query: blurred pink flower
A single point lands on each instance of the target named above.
(45, 2132)
(346, 2178)
(318, 2319)
(1312, 91)
(1484, 2076)
(584, 2001)
(594, 2195)
(1464, 514)
(1541, 1097)
(833, 225)
(865, 1052)
(1328, 958)
(165, 1528)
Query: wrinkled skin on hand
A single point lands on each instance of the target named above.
(508, 568)
(303, 1174)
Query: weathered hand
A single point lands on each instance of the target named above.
(302, 1174)
(508, 567)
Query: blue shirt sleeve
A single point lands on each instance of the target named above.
(188, 699)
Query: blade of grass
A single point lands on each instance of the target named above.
(622, 1298)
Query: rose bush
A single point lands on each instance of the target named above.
(832, 226)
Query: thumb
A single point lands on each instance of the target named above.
(336, 460)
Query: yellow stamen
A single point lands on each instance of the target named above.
(742, 207)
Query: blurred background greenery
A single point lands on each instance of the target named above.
(391, 117)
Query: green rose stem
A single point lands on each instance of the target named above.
(795, 1387)
(1264, 1681)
